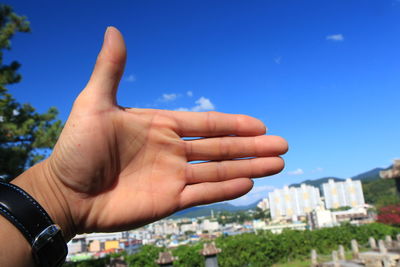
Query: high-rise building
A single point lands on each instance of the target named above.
(341, 194)
(263, 204)
(293, 201)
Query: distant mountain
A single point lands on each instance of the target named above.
(370, 175)
(206, 210)
(376, 191)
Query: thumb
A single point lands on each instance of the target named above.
(109, 68)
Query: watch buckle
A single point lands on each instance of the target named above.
(45, 236)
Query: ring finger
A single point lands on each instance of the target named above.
(222, 148)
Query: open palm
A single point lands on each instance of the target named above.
(121, 168)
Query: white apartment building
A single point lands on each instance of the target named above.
(263, 204)
(292, 202)
(342, 194)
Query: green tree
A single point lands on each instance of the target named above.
(189, 255)
(260, 214)
(381, 192)
(25, 135)
(146, 257)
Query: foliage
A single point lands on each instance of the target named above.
(381, 192)
(341, 208)
(25, 134)
(89, 263)
(189, 256)
(225, 217)
(266, 248)
(389, 215)
(146, 257)
(260, 214)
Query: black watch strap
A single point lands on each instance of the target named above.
(48, 245)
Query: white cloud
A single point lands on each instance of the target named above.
(203, 104)
(298, 171)
(169, 97)
(278, 60)
(335, 37)
(15, 112)
(189, 93)
(131, 78)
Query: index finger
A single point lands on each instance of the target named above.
(211, 123)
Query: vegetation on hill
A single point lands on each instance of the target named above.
(377, 191)
(318, 182)
(369, 175)
(216, 208)
(380, 192)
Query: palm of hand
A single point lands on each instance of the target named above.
(129, 163)
(122, 168)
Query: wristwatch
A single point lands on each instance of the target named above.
(48, 245)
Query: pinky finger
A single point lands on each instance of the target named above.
(209, 192)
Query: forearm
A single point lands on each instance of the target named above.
(38, 182)
(14, 249)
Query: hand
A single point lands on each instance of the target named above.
(117, 168)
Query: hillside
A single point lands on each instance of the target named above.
(206, 210)
(376, 190)
(380, 192)
(318, 182)
(370, 175)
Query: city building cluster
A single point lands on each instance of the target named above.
(341, 201)
(168, 233)
(296, 208)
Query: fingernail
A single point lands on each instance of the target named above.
(107, 35)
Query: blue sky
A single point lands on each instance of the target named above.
(323, 74)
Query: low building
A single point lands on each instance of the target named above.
(186, 227)
(77, 245)
(111, 244)
(259, 224)
(96, 246)
(278, 228)
(210, 225)
(321, 218)
(354, 215)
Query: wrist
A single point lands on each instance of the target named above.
(42, 185)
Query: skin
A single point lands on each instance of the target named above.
(116, 168)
